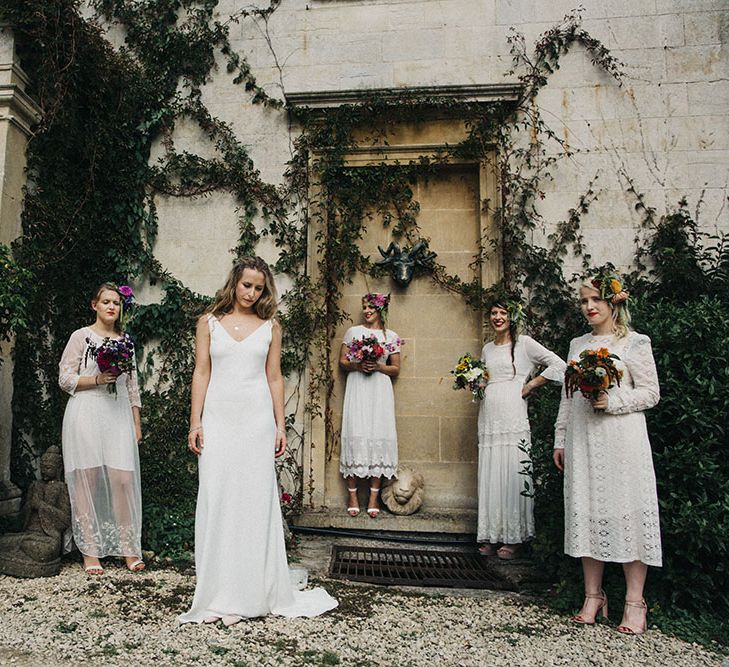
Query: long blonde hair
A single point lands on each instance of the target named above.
(620, 313)
(266, 305)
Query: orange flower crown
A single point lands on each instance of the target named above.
(610, 288)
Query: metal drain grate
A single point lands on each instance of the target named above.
(408, 567)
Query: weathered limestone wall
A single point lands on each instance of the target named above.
(666, 129)
(17, 113)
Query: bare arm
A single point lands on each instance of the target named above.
(345, 364)
(391, 367)
(276, 386)
(200, 381)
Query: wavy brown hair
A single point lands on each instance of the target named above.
(267, 303)
(112, 288)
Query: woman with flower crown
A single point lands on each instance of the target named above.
(101, 433)
(505, 515)
(602, 447)
(369, 436)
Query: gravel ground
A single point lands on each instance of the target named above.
(128, 619)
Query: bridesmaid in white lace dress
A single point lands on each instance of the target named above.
(611, 506)
(237, 426)
(101, 432)
(505, 516)
(369, 436)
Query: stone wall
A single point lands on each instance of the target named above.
(666, 128)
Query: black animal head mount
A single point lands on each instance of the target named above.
(402, 262)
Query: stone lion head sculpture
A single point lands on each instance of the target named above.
(404, 494)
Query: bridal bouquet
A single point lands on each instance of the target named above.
(595, 371)
(113, 354)
(368, 348)
(470, 374)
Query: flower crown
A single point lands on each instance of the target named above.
(610, 288)
(127, 299)
(377, 301)
(517, 316)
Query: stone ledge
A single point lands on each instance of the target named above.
(482, 93)
(429, 521)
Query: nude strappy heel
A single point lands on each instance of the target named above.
(602, 610)
(626, 629)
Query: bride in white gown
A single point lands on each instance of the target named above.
(236, 426)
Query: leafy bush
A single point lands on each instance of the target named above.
(688, 430)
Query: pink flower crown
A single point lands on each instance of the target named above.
(377, 301)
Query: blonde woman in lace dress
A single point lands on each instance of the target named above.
(602, 446)
(101, 432)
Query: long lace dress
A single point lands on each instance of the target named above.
(369, 436)
(504, 514)
(240, 556)
(100, 456)
(611, 506)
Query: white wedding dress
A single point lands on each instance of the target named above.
(240, 556)
(504, 514)
(610, 501)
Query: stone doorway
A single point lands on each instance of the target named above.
(436, 425)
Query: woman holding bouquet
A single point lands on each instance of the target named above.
(369, 437)
(237, 427)
(601, 445)
(101, 432)
(505, 516)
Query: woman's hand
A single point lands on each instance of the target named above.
(280, 442)
(527, 389)
(558, 457)
(138, 433)
(369, 366)
(195, 440)
(601, 402)
(107, 377)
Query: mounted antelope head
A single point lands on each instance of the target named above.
(402, 262)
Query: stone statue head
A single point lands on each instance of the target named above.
(51, 463)
(404, 494)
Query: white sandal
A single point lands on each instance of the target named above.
(353, 511)
(135, 566)
(373, 511)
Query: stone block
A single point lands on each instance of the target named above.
(417, 439)
(643, 65)
(409, 46)
(459, 437)
(645, 32)
(707, 27)
(688, 6)
(708, 97)
(697, 63)
(435, 357)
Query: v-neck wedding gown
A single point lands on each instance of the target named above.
(240, 556)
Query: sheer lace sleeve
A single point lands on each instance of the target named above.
(565, 412)
(541, 356)
(645, 391)
(69, 367)
(133, 387)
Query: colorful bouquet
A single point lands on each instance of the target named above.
(368, 348)
(470, 374)
(113, 354)
(594, 372)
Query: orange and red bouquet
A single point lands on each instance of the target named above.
(594, 372)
